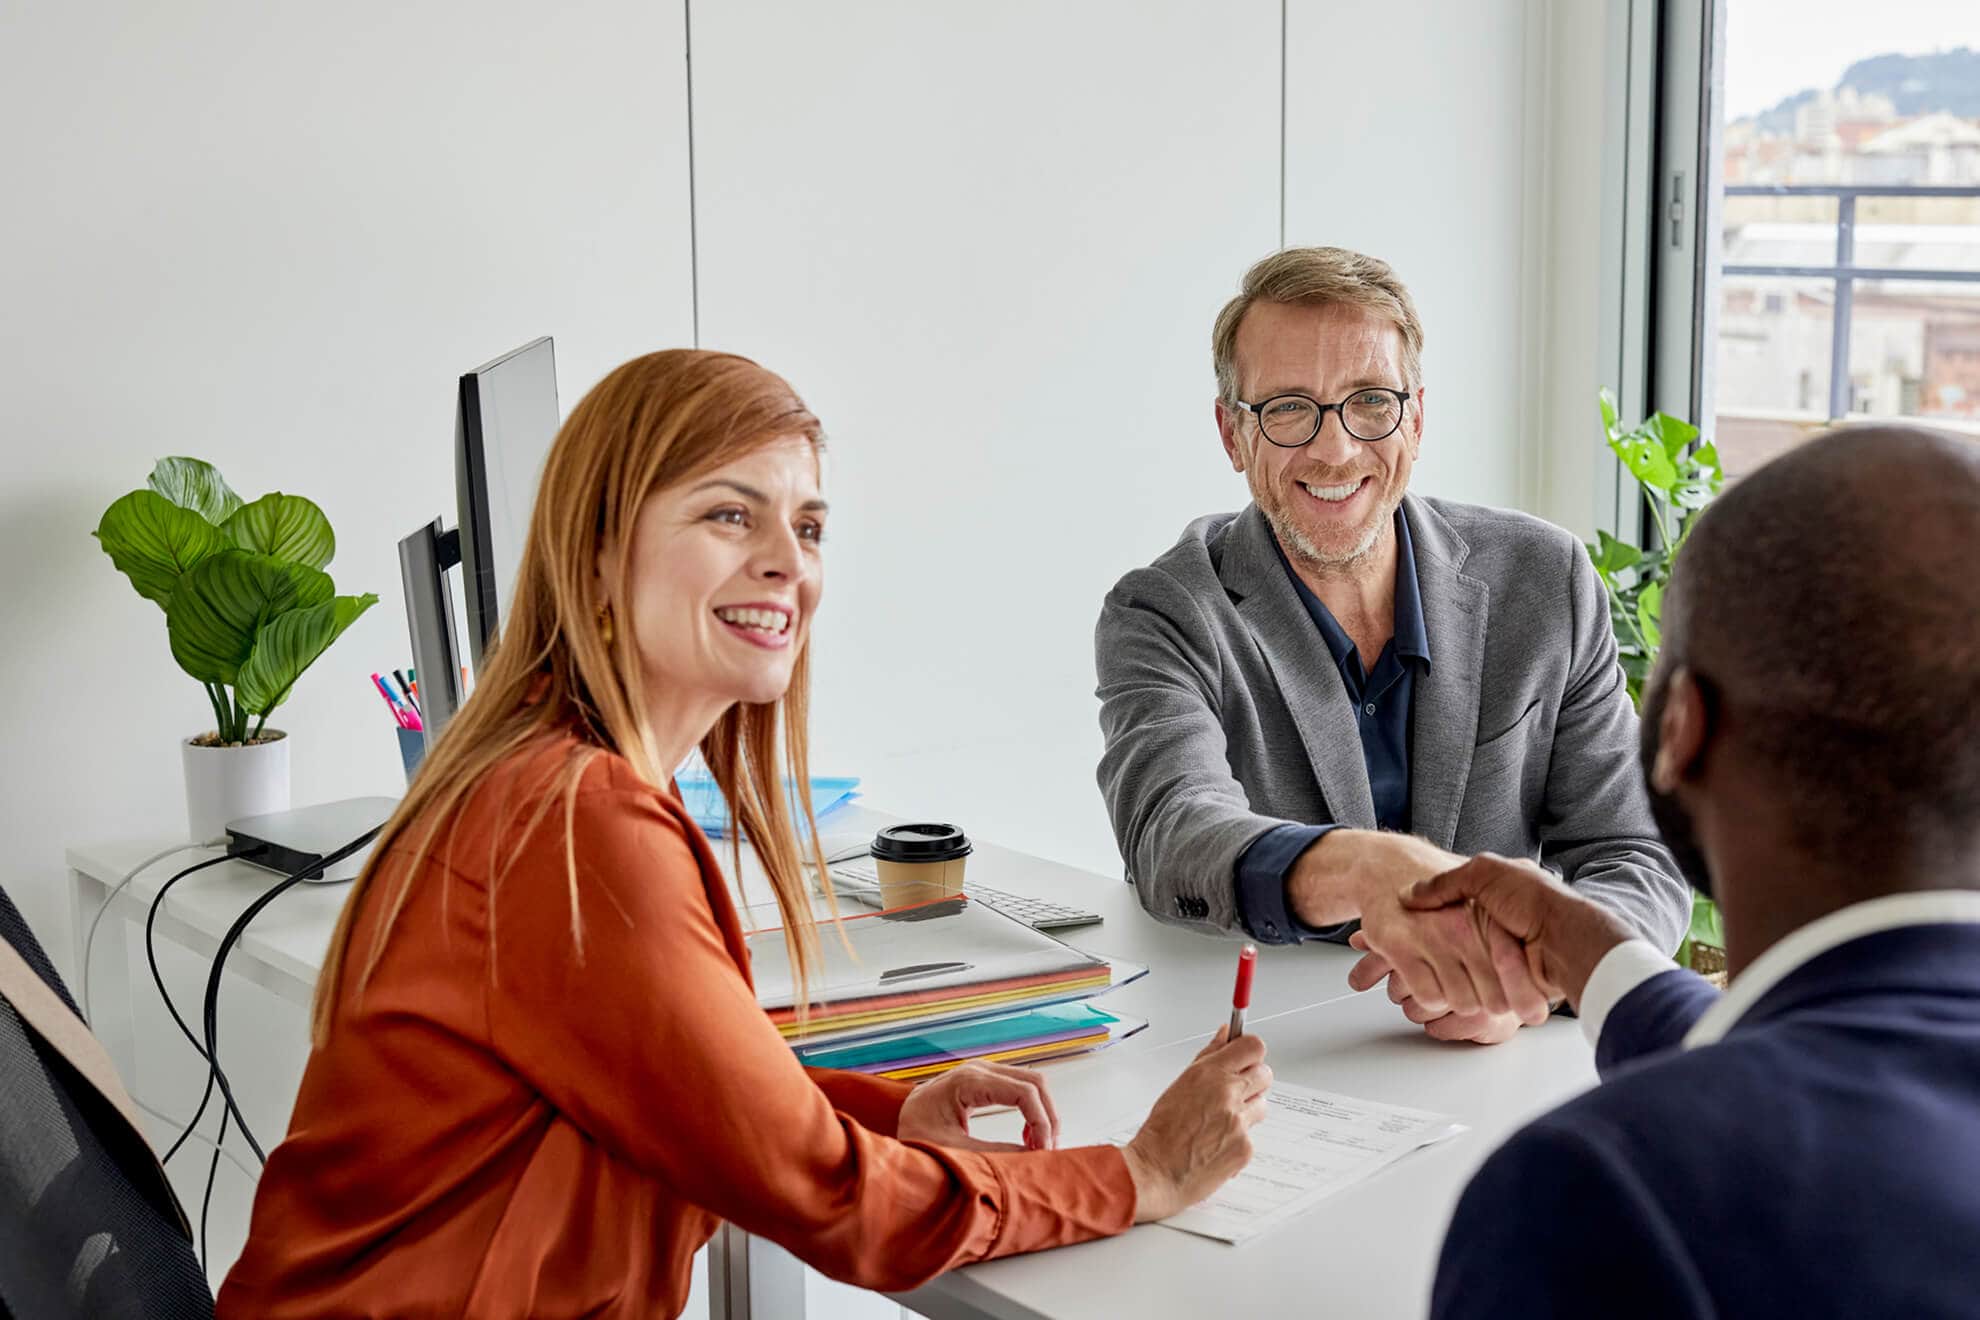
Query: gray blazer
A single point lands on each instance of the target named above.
(1225, 716)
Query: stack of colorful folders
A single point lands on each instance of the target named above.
(912, 992)
(1030, 1036)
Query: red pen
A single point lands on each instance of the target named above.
(1241, 992)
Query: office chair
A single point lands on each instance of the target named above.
(91, 1225)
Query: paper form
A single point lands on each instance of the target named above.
(1310, 1145)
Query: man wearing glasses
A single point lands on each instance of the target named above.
(1313, 703)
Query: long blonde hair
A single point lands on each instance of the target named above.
(656, 422)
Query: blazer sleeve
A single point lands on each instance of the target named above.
(1180, 816)
(1595, 826)
(616, 996)
(1652, 1018)
(1556, 1226)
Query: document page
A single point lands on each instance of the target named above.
(1310, 1145)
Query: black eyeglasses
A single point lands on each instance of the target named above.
(1291, 420)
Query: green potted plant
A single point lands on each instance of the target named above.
(1677, 478)
(247, 608)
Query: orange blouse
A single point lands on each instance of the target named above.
(517, 1117)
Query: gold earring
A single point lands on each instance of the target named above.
(605, 622)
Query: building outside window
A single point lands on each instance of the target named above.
(1847, 281)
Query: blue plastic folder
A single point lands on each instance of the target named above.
(704, 801)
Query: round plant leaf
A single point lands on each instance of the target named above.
(290, 643)
(155, 542)
(313, 585)
(218, 608)
(288, 527)
(196, 485)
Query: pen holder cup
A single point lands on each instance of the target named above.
(412, 746)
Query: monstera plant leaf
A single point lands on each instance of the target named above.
(1611, 556)
(218, 609)
(287, 527)
(193, 484)
(1650, 614)
(1642, 452)
(290, 643)
(1673, 433)
(155, 542)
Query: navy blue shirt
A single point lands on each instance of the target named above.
(1381, 698)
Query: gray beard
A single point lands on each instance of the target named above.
(1297, 545)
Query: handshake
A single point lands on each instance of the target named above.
(1472, 949)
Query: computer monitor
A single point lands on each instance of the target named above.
(506, 419)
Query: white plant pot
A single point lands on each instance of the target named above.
(227, 783)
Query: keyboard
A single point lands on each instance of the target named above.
(863, 883)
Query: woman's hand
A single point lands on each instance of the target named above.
(1196, 1137)
(938, 1111)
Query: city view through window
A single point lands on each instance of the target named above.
(1849, 277)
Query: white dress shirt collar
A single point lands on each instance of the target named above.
(1633, 962)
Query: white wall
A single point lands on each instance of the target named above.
(1405, 139)
(272, 237)
(985, 242)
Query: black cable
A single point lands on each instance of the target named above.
(199, 1113)
(206, 1201)
(151, 957)
(151, 950)
(234, 932)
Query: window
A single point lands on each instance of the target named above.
(1840, 275)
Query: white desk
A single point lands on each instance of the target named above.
(1368, 1252)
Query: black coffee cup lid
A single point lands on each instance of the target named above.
(920, 841)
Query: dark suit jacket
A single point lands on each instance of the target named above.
(1822, 1159)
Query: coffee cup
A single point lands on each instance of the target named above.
(919, 862)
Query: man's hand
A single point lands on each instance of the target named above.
(1563, 935)
(1478, 1028)
(1337, 878)
(938, 1111)
(1446, 958)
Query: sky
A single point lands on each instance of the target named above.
(1775, 48)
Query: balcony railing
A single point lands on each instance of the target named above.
(1845, 272)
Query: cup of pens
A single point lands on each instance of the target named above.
(402, 697)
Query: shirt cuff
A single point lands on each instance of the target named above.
(1262, 869)
(1621, 970)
